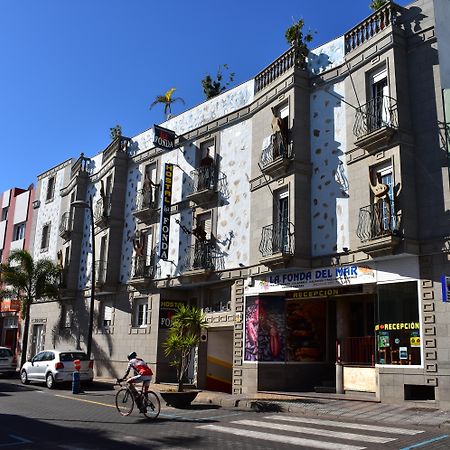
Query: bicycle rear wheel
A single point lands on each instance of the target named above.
(152, 405)
(124, 401)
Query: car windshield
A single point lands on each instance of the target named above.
(5, 353)
(72, 356)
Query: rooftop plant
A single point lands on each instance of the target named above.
(297, 38)
(211, 87)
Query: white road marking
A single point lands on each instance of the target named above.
(358, 426)
(316, 431)
(309, 443)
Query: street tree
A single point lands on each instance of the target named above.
(28, 280)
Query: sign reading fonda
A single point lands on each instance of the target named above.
(164, 138)
(165, 212)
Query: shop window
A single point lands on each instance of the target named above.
(50, 189)
(140, 313)
(45, 236)
(397, 329)
(19, 232)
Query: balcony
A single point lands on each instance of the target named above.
(372, 26)
(100, 272)
(378, 229)
(203, 185)
(203, 257)
(375, 123)
(147, 204)
(277, 244)
(66, 225)
(145, 267)
(102, 211)
(275, 159)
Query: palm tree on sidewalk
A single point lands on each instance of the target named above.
(28, 280)
(167, 100)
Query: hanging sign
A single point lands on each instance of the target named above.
(445, 280)
(164, 225)
(164, 138)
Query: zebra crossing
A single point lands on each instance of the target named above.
(313, 433)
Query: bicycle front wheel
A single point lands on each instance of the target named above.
(152, 405)
(124, 401)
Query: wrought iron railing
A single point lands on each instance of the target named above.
(379, 112)
(66, 224)
(371, 26)
(377, 220)
(203, 178)
(273, 152)
(358, 350)
(102, 208)
(145, 266)
(203, 255)
(100, 272)
(148, 198)
(277, 238)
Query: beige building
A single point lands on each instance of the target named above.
(308, 218)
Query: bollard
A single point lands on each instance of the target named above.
(75, 382)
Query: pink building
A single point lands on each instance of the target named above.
(16, 212)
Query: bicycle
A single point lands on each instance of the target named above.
(127, 396)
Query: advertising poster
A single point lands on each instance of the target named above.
(264, 329)
(306, 330)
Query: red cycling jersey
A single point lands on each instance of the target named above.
(140, 367)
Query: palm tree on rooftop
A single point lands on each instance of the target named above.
(167, 100)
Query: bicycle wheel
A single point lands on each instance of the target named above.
(124, 401)
(152, 405)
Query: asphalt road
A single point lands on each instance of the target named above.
(33, 417)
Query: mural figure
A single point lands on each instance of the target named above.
(381, 219)
(279, 138)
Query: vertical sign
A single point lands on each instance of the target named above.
(445, 280)
(164, 225)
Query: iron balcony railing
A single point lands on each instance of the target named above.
(100, 272)
(277, 238)
(145, 266)
(148, 198)
(203, 255)
(203, 178)
(102, 209)
(358, 350)
(377, 220)
(66, 224)
(379, 112)
(273, 152)
(374, 24)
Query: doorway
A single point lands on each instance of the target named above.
(219, 365)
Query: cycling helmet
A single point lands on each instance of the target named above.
(132, 355)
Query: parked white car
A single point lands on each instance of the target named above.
(7, 361)
(56, 366)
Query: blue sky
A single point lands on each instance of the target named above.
(71, 70)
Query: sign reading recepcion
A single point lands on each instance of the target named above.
(165, 212)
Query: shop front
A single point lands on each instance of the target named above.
(329, 329)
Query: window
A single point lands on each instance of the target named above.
(219, 300)
(204, 223)
(19, 232)
(106, 320)
(397, 328)
(388, 212)
(379, 111)
(207, 153)
(4, 213)
(50, 189)
(141, 311)
(67, 314)
(45, 237)
(281, 225)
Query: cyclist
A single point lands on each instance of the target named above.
(142, 372)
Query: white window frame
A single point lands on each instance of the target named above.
(141, 313)
(19, 231)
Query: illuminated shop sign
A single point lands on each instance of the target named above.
(164, 227)
(315, 278)
(397, 326)
(164, 138)
(445, 280)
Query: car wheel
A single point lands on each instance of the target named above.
(50, 381)
(24, 377)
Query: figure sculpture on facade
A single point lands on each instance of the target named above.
(382, 204)
(279, 138)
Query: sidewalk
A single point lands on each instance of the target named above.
(332, 405)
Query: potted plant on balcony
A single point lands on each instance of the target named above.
(182, 339)
(296, 38)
